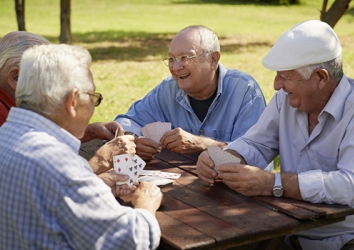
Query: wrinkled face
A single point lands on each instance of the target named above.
(194, 77)
(303, 94)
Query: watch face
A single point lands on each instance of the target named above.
(278, 191)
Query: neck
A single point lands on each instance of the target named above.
(312, 122)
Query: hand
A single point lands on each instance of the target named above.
(110, 178)
(180, 141)
(147, 148)
(102, 161)
(247, 180)
(205, 168)
(103, 131)
(147, 196)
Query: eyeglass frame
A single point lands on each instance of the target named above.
(97, 98)
(166, 60)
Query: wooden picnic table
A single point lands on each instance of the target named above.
(196, 215)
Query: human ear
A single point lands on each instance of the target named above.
(12, 77)
(215, 57)
(323, 77)
(71, 102)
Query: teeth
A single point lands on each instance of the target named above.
(183, 76)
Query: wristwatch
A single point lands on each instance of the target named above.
(278, 190)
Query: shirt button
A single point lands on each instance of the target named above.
(201, 131)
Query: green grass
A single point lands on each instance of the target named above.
(128, 39)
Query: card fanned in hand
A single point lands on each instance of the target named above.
(126, 165)
(221, 157)
(155, 130)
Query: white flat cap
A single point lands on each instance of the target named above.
(307, 43)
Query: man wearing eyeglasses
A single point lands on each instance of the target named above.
(12, 46)
(49, 196)
(207, 104)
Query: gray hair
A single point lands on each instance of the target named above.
(13, 44)
(208, 39)
(334, 68)
(49, 73)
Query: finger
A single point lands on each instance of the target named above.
(230, 168)
(165, 135)
(119, 178)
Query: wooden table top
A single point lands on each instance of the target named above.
(195, 215)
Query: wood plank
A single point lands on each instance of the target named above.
(178, 235)
(305, 210)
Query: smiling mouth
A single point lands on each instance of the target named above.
(183, 76)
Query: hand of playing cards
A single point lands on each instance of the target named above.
(133, 167)
(221, 157)
(155, 130)
(126, 165)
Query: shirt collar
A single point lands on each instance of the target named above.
(336, 103)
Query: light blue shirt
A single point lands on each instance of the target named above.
(51, 199)
(324, 160)
(237, 106)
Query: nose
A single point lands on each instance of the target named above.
(278, 82)
(176, 65)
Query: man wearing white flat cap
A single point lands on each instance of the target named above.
(310, 123)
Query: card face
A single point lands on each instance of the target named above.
(155, 130)
(121, 163)
(125, 165)
(221, 157)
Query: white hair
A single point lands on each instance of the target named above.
(208, 39)
(334, 68)
(48, 73)
(13, 44)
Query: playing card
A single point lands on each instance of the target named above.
(168, 175)
(121, 163)
(162, 174)
(159, 181)
(221, 157)
(124, 164)
(155, 130)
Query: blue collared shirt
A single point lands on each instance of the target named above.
(51, 199)
(237, 106)
(323, 160)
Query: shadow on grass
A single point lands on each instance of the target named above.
(140, 46)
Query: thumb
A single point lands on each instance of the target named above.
(118, 177)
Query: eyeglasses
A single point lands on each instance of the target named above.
(181, 60)
(97, 98)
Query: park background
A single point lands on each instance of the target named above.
(128, 39)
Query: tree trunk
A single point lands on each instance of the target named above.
(20, 14)
(337, 10)
(65, 31)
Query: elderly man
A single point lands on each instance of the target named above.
(310, 122)
(50, 198)
(207, 104)
(12, 47)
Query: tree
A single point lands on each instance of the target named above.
(337, 10)
(20, 14)
(65, 30)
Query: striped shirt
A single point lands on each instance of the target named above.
(51, 199)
